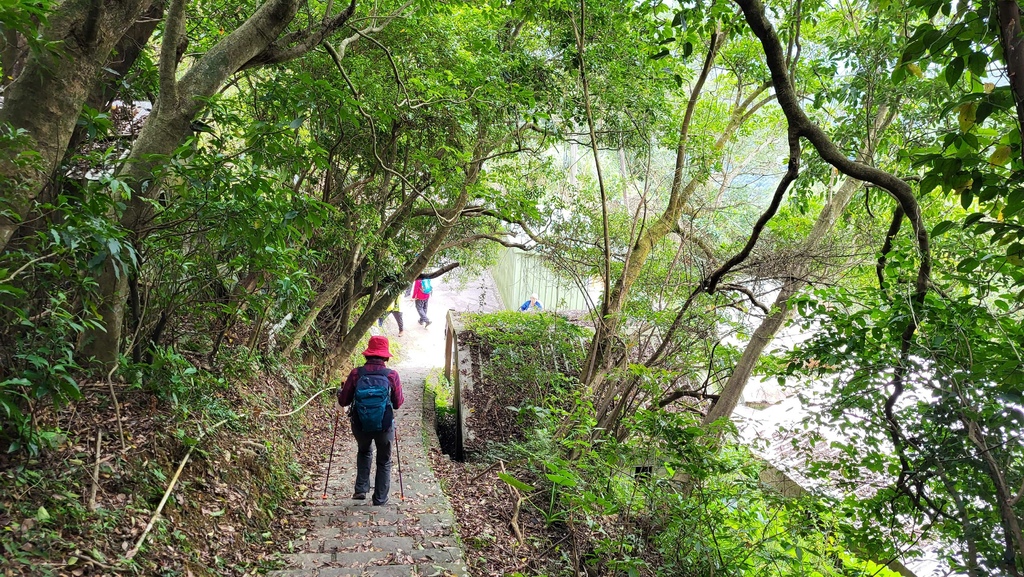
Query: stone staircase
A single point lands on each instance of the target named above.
(414, 536)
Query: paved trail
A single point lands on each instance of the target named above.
(414, 536)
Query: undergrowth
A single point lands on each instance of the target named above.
(669, 499)
(227, 512)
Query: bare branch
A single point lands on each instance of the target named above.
(377, 27)
(894, 229)
(792, 171)
(749, 293)
(25, 266)
(675, 396)
(438, 272)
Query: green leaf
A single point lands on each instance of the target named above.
(985, 108)
(942, 227)
(973, 218)
(42, 515)
(966, 197)
(968, 264)
(561, 480)
(954, 70)
(976, 63)
(898, 74)
(515, 482)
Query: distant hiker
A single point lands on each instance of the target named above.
(396, 310)
(374, 392)
(420, 295)
(533, 303)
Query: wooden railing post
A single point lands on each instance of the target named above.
(451, 372)
(449, 338)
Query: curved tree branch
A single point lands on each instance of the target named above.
(894, 229)
(792, 171)
(490, 237)
(174, 28)
(753, 11)
(295, 44)
(438, 272)
(749, 293)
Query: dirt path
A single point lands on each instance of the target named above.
(414, 536)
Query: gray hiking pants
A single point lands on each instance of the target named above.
(364, 460)
(421, 308)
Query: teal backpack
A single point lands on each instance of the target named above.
(372, 400)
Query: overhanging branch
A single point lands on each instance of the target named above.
(490, 237)
(295, 44)
(438, 272)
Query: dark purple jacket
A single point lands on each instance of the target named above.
(348, 390)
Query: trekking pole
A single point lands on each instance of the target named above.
(337, 413)
(398, 455)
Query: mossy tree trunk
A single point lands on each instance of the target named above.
(47, 97)
(259, 41)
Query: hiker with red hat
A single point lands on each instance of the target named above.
(373, 392)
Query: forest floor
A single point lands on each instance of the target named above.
(81, 507)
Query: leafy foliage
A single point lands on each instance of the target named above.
(659, 503)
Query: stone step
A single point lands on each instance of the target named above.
(385, 542)
(411, 536)
(422, 570)
(375, 558)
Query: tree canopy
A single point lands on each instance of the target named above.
(183, 178)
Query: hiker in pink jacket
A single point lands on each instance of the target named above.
(420, 295)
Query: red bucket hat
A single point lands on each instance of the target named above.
(377, 347)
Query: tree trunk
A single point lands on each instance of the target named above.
(250, 45)
(1004, 496)
(123, 58)
(327, 295)
(626, 177)
(597, 364)
(12, 56)
(1011, 38)
(765, 332)
(46, 98)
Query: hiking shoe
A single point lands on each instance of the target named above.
(401, 333)
(426, 324)
(359, 496)
(376, 504)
